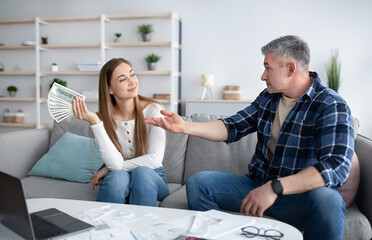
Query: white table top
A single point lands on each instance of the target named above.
(142, 223)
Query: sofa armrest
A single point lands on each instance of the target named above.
(363, 149)
(20, 150)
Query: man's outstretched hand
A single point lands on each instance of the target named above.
(172, 122)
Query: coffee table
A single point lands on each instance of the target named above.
(142, 224)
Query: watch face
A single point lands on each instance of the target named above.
(277, 187)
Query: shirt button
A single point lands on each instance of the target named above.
(126, 123)
(129, 141)
(127, 132)
(131, 149)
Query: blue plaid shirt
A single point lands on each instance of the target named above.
(318, 131)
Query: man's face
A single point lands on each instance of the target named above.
(275, 75)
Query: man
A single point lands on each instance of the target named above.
(304, 149)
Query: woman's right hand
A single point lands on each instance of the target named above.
(81, 112)
(98, 176)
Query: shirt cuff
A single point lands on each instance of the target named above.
(231, 131)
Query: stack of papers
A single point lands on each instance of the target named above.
(89, 66)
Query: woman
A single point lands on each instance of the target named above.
(132, 151)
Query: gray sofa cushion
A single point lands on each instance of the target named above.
(20, 150)
(174, 157)
(356, 225)
(218, 156)
(42, 187)
(177, 199)
(72, 125)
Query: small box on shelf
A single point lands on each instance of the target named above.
(163, 96)
(231, 92)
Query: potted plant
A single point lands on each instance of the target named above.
(54, 67)
(59, 81)
(117, 36)
(12, 90)
(145, 30)
(151, 61)
(333, 72)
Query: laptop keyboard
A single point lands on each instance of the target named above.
(44, 229)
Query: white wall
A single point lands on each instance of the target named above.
(224, 38)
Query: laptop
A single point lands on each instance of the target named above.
(45, 224)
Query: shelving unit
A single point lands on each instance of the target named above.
(170, 41)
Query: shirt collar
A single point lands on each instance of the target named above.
(311, 92)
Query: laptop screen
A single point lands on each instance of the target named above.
(13, 208)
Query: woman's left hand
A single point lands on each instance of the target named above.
(98, 177)
(81, 112)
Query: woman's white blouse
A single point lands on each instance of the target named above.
(125, 131)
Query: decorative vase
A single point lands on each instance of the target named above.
(151, 66)
(146, 37)
(12, 93)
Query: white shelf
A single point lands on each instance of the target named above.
(138, 16)
(16, 47)
(138, 44)
(17, 73)
(70, 19)
(68, 73)
(25, 125)
(17, 21)
(67, 46)
(16, 99)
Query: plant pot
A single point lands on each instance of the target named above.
(151, 66)
(55, 68)
(146, 37)
(12, 93)
(117, 39)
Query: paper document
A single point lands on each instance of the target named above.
(108, 224)
(214, 224)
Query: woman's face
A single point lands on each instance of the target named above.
(123, 83)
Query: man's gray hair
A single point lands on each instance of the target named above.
(289, 46)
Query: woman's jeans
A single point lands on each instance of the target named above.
(319, 212)
(143, 185)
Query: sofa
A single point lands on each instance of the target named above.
(185, 155)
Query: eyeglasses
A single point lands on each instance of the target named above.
(269, 234)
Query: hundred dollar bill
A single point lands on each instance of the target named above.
(60, 101)
(64, 93)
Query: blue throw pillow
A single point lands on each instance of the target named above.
(73, 158)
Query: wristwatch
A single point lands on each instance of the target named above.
(277, 187)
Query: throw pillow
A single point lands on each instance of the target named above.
(350, 188)
(72, 125)
(73, 158)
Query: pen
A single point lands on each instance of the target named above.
(133, 235)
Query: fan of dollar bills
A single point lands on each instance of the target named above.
(60, 101)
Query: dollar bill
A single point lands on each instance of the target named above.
(64, 93)
(60, 102)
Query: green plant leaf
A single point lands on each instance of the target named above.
(12, 89)
(59, 81)
(333, 71)
(152, 58)
(145, 29)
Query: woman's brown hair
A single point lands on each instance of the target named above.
(107, 105)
